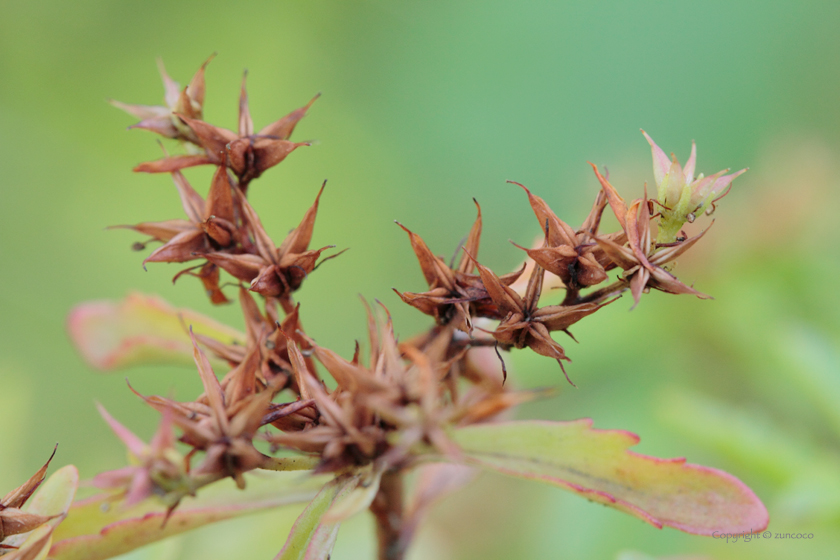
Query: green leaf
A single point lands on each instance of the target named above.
(56, 494)
(100, 527)
(311, 537)
(356, 500)
(140, 329)
(597, 465)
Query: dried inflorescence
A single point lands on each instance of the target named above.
(407, 395)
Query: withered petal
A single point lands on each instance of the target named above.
(191, 201)
(212, 388)
(504, 297)
(466, 264)
(162, 231)
(664, 281)
(17, 497)
(246, 124)
(269, 152)
(616, 202)
(668, 254)
(220, 197)
(434, 269)
(284, 127)
(559, 232)
(561, 317)
(161, 125)
(556, 260)
(196, 88)
(185, 246)
(298, 239)
(172, 163)
(622, 256)
(142, 112)
(243, 267)
(213, 139)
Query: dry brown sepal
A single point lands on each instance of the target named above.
(384, 412)
(571, 254)
(211, 226)
(273, 272)
(13, 520)
(223, 428)
(525, 324)
(455, 295)
(163, 119)
(264, 360)
(246, 154)
(642, 261)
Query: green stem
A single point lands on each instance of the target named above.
(289, 463)
(669, 229)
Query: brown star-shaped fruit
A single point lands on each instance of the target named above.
(245, 153)
(524, 323)
(273, 271)
(455, 295)
(572, 255)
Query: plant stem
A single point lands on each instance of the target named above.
(604, 293)
(387, 508)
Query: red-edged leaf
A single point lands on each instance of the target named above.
(598, 465)
(140, 329)
(100, 527)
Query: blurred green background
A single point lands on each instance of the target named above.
(426, 105)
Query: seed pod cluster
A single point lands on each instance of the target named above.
(338, 412)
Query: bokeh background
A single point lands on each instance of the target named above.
(426, 105)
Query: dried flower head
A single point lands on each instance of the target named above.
(164, 120)
(245, 153)
(455, 295)
(572, 255)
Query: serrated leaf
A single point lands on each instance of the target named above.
(311, 538)
(99, 528)
(140, 329)
(598, 465)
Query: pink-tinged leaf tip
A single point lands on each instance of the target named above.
(661, 161)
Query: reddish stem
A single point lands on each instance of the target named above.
(387, 508)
